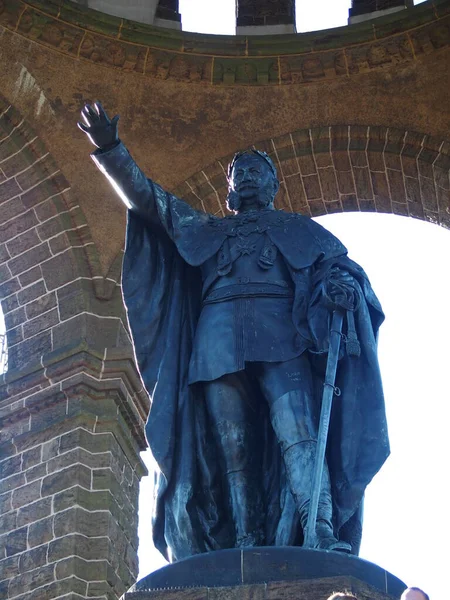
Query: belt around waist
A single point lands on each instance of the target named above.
(253, 289)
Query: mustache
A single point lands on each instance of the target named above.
(235, 201)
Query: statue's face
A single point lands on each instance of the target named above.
(251, 175)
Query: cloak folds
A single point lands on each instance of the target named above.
(162, 293)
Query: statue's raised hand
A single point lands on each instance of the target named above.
(101, 130)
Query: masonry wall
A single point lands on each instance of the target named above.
(72, 407)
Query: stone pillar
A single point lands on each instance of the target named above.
(265, 17)
(167, 14)
(72, 406)
(70, 476)
(364, 10)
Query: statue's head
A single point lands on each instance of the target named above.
(252, 181)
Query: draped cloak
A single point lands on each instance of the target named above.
(162, 290)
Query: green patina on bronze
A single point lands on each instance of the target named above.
(230, 60)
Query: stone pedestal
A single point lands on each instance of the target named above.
(267, 574)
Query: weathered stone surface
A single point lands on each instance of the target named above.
(26, 494)
(76, 474)
(33, 559)
(34, 511)
(41, 532)
(16, 541)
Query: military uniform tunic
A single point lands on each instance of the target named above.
(247, 307)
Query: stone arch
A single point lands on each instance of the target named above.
(325, 170)
(51, 287)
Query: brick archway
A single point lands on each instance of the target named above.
(345, 168)
(49, 266)
(72, 406)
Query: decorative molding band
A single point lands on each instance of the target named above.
(86, 34)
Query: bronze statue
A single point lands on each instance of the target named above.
(230, 320)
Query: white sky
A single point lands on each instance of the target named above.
(406, 524)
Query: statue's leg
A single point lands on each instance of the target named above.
(232, 420)
(294, 413)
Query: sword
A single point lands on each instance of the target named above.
(329, 390)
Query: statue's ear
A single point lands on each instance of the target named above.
(276, 186)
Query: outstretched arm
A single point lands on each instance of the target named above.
(114, 160)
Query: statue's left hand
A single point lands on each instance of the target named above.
(340, 289)
(101, 131)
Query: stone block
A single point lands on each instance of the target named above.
(14, 336)
(16, 541)
(37, 472)
(31, 457)
(10, 303)
(9, 567)
(76, 474)
(10, 466)
(95, 570)
(15, 318)
(26, 494)
(363, 183)
(4, 254)
(50, 449)
(312, 187)
(30, 350)
(31, 580)
(43, 303)
(8, 522)
(41, 532)
(40, 171)
(16, 225)
(79, 455)
(42, 322)
(328, 184)
(5, 502)
(78, 545)
(8, 190)
(30, 276)
(29, 259)
(9, 287)
(345, 182)
(428, 194)
(33, 559)
(23, 242)
(34, 512)
(65, 267)
(317, 208)
(12, 482)
(49, 190)
(84, 522)
(396, 185)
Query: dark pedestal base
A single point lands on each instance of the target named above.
(267, 574)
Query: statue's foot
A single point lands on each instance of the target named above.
(325, 539)
(331, 543)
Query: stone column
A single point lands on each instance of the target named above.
(364, 10)
(265, 17)
(167, 14)
(72, 406)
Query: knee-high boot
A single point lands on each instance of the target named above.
(299, 462)
(295, 429)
